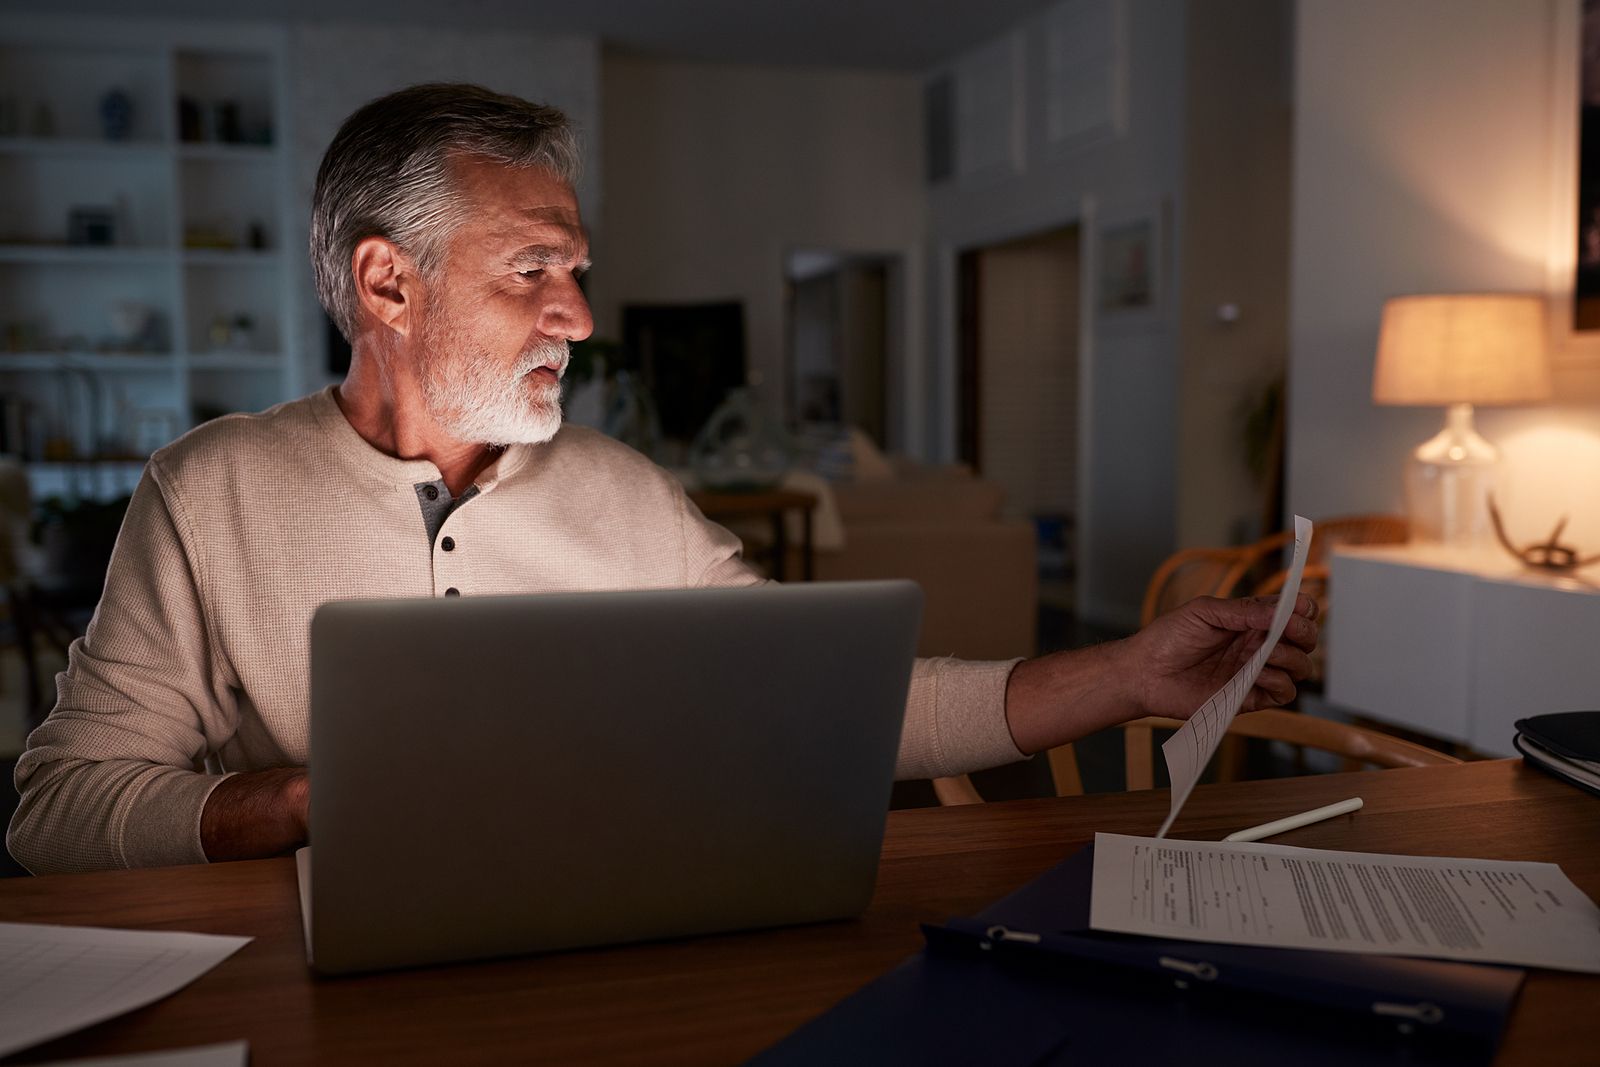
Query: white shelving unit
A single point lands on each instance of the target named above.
(145, 285)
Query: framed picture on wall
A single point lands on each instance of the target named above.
(1573, 258)
(1128, 256)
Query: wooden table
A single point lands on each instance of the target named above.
(721, 999)
(774, 505)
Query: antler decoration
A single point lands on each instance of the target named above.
(1549, 555)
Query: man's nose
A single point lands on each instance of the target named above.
(567, 313)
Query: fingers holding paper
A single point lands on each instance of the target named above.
(1187, 654)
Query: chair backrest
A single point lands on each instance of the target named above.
(1194, 572)
(1309, 731)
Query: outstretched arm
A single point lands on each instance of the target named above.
(1169, 668)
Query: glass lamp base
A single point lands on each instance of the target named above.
(1449, 502)
(1448, 482)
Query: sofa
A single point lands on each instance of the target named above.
(944, 529)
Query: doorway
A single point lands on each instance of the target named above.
(844, 311)
(1018, 407)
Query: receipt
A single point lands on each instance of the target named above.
(1190, 749)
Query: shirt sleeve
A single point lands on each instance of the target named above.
(955, 710)
(956, 719)
(114, 777)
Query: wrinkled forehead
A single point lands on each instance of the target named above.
(519, 204)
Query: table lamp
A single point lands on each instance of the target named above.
(1457, 350)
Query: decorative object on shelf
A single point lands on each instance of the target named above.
(741, 448)
(116, 115)
(1458, 350)
(226, 123)
(135, 327)
(232, 333)
(242, 333)
(26, 335)
(1549, 554)
(130, 323)
(208, 236)
(221, 332)
(92, 226)
(256, 235)
(190, 127)
(10, 116)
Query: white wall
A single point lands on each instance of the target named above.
(1129, 399)
(715, 171)
(334, 69)
(1425, 161)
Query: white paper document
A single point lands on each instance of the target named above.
(231, 1054)
(1489, 911)
(57, 979)
(1189, 749)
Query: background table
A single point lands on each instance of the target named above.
(773, 505)
(720, 999)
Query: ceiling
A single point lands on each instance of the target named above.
(897, 35)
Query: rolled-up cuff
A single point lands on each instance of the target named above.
(956, 719)
(160, 822)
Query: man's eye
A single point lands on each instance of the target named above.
(532, 272)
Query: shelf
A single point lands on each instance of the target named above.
(83, 255)
(157, 187)
(236, 361)
(229, 257)
(228, 153)
(86, 461)
(67, 146)
(93, 361)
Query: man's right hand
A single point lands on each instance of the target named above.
(258, 814)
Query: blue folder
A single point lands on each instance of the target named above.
(1027, 982)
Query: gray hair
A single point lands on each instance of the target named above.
(388, 174)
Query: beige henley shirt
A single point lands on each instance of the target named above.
(196, 663)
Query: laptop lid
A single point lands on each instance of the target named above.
(498, 775)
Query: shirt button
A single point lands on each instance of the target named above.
(452, 591)
(431, 492)
(448, 544)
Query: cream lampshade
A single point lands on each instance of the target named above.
(1458, 350)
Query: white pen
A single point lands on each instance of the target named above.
(1293, 822)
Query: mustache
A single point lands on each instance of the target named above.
(553, 354)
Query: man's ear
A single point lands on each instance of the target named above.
(385, 282)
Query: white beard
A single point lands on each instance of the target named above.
(478, 401)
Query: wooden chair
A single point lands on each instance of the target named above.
(1194, 572)
(1354, 743)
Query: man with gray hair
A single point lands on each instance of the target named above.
(447, 246)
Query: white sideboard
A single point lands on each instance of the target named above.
(1459, 644)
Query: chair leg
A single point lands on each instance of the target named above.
(1138, 760)
(1064, 769)
(955, 791)
(1230, 759)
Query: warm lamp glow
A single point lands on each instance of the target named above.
(1458, 350)
(1468, 348)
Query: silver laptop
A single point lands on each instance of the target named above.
(499, 775)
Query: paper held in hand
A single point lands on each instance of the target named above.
(1190, 749)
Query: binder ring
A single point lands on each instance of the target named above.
(1422, 1013)
(1204, 971)
(1000, 933)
